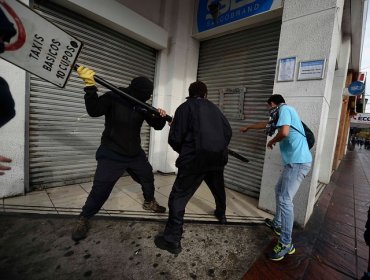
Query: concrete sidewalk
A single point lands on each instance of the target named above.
(332, 244)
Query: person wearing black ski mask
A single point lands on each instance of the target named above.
(120, 148)
(7, 110)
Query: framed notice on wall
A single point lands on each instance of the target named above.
(311, 70)
(286, 69)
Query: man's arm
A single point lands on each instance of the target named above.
(96, 106)
(282, 133)
(157, 122)
(4, 167)
(259, 125)
(7, 111)
(178, 130)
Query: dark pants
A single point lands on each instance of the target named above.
(183, 189)
(107, 174)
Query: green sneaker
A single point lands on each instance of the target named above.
(271, 224)
(280, 250)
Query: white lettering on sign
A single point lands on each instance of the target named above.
(230, 5)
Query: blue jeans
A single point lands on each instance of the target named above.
(285, 190)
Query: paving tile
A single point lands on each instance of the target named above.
(36, 198)
(336, 258)
(320, 271)
(338, 240)
(361, 266)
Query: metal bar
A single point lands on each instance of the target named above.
(125, 95)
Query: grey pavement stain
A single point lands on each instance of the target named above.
(40, 247)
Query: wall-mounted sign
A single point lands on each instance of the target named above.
(286, 69)
(39, 46)
(356, 88)
(311, 70)
(214, 13)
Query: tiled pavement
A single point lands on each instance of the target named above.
(126, 201)
(331, 246)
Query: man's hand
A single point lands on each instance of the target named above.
(3, 167)
(87, 75)
(244, 129)
(162, 112)
(271, 144)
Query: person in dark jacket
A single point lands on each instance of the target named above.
(7, 112)
(7, 105)
(366, 275)
(120, 148)
(200, 133)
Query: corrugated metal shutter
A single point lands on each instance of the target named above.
(63, 138)
(245, 60)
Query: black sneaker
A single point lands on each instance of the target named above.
(153, 206)
(271, 224)
(280, 250)
(221, 217)
(172, 247)
(81, 228)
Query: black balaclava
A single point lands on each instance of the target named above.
(7, 30)
(141, 88)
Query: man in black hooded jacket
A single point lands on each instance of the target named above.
(120, 148)
(200, 133)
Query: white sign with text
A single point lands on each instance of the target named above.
(39, 46)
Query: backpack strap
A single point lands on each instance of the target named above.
(299, 131)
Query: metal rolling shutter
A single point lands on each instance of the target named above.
(246, 59)
(62, 137)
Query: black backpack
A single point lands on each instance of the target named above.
(309, 135)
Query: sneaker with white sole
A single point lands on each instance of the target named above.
(280, 250)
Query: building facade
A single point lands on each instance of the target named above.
(243, 50)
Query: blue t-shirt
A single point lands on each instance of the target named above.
(294, 147)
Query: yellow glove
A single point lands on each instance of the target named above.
(87, 75)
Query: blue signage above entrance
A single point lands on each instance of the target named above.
(213, 13)
(356, 88)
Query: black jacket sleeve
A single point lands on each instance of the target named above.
(7, 110)
(155, 121)
(227, 129)
(179, 129)
(96, 106)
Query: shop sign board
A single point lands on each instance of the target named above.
(356, 88)
(39, 46)
(214, 13)
(361, 119)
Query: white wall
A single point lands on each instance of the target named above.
(310, 30)
(176, 69)
(12, 134)
(334, 112)
(122, 19)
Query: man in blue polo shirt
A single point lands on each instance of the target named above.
(297, 163)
